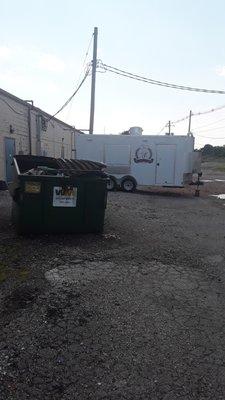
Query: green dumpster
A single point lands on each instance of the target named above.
(57, 195)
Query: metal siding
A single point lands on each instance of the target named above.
(51, 139)
(93, 145)
(9, 153)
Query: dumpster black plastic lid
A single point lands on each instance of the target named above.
(68, 167)
(79, 165)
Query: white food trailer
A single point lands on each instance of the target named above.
(135, 159)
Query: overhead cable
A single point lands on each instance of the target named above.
(164, 126)
(88, 49)
(198, 114)
(211, 129)
(151, 81)
(11, 108)
(209, 111)
(82, 70)
(72, 96)
(85, 57)
(210, 137)
(210, 123)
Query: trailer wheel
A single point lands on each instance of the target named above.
(128, 185)
(111, 184)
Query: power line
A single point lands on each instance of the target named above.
(85, 57)
(209, 111)
(81, 83)
(130, 75)
(72, 96)
(155, 82)
(164, 126)
(13, 109)
(210, 123)
(82, 69)
(88, 49)
(180, 120)
(211, 129)
(198, 114)
(210, 137)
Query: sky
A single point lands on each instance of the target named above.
(42, 57)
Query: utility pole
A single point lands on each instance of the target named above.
(169, 124)
(189, 124)
(38, 135)
(93, 79)
(30, 106)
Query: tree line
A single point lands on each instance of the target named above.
(213, 151)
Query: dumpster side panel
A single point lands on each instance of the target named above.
(28, 209)
(71, 202)
(60, 213)
(95, 205)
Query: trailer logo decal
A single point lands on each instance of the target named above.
(143, 154)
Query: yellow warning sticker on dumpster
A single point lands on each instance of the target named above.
(64, 196)
(32, 187)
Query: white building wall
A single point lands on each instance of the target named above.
(56, 141)
(14, 114)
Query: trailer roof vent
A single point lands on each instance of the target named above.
(135, 131)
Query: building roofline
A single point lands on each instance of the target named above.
(25, 103)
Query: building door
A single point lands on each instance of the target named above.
(9, 153)
(165, 164)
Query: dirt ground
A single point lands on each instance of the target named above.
(137, 313)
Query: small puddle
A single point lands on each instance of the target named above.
(219, 196)
(220, 180)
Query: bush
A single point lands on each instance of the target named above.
(208, 150)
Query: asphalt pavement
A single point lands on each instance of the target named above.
(136, 313)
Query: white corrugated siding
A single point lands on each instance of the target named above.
(16, 114)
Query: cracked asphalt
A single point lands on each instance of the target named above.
(137, 313)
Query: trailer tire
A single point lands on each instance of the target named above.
(128, 184)
(111, 184)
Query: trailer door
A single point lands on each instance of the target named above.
(165, 164)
